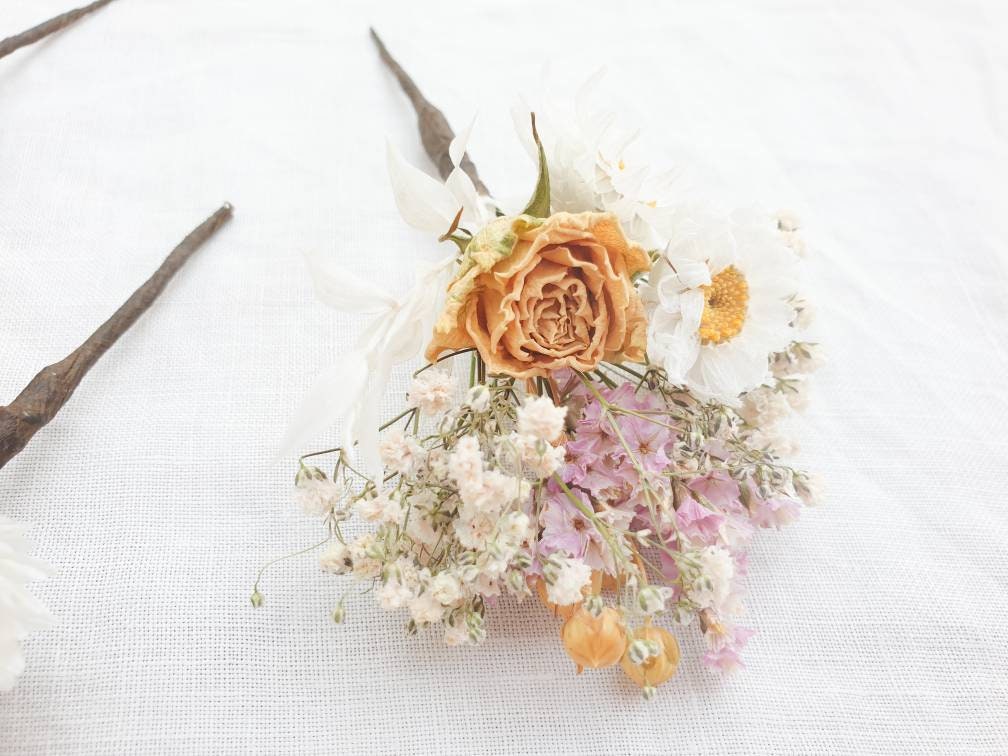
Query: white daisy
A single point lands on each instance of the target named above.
(20, 612)
(717, 302)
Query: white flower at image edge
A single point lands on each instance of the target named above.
(717, 303)
(350, 392)
(20, 612)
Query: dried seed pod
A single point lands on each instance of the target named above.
(594, 642)
(654, 670)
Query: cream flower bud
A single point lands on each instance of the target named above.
(541, 419)
(456, 633)
(478, 398)
(642, 649)
(399, 452)
(446, 588)
(810, 489)
(787, 221)
(566, 579)
(804, 314)
(426, 609)
(431, 391)
(808, 357)
(336, 559)
(339, 613)
(316, 495)
(652, 598)
(594, 605)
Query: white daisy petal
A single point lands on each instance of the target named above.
(20, 611)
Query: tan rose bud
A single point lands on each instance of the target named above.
(656, 669)
(536, 295)
(594, 642)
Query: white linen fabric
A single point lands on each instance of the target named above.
(157, 492)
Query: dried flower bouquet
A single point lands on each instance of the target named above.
(597, 422)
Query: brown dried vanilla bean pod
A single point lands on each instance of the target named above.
(435, 132)
(43, 30)
(48, 391)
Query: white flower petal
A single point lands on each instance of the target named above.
(20, 611)
(679, 354)
(724, 371)
(423, 202)
(520, 118)
(345, 291)
(364, 429)
(464, 191)
(333, 397)
(691, 273)
(458, 145)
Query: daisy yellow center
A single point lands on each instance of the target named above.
(725, 303)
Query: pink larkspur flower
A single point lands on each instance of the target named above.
(697, 522)
(568, 530)
(719, 489)
(724, 649)
(774, 512)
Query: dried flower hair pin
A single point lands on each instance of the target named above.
(596, 424)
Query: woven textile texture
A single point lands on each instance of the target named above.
(158, 492)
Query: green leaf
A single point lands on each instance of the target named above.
(539, 205)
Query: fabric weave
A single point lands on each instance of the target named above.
(157, 492)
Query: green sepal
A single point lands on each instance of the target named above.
(539, 205)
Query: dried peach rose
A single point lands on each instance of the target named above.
(535, 295)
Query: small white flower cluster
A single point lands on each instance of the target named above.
(485, 494)
(541, 419)
(315, 494)
(400, 453)
(432, 392)
(533, 446)
(712, 585)
(452, 530)
(566, 579)
(764, 408)
(651, 599)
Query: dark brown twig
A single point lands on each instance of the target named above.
(435, 132)
(53, 25)
(48, 391)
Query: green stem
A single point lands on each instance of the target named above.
(255, 586)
